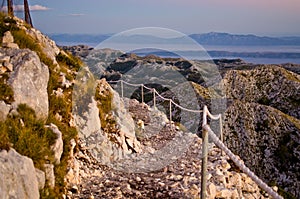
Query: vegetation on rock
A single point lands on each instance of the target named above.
(27, 135)
(6, 92)
(23, 131)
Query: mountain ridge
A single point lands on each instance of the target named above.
(211, 38)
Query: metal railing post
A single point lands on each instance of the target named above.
(170, 111)
(122, 92)
(142, 87)
(204, 154)
(154, 98)
(204, 163)
(221, 132)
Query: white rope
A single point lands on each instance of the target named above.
(241, 165)
(157, 94)
(150, 89)
(186, 109)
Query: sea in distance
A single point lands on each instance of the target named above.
(252, 54)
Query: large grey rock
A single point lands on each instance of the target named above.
(88, 122)
(18, 176)
(29, 81)
(7, 37)
(58, 145)
(116, 140)
(121, 116)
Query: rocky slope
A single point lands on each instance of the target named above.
(139, 175)
(263, 124)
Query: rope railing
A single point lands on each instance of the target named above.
(241, 165)
(206, 131)
(155, 95)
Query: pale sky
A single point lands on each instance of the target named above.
(261, 17)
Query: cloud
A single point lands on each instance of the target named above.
(73, 15)
(20, 8)
(38, 8)
(76, 14)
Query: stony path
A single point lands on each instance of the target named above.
(161, 171)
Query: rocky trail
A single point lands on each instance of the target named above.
(161, 170)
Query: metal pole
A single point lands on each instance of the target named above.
(204, 163)
(221, 132)
(10, 8)
(27, 13)
(122, 94)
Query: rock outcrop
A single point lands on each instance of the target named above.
(29, 80)
(269, 139)
(268, 85)
(48, 46)
(108, 131)
(18, 176)
(8, 41)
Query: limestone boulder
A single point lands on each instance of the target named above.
(88, 121)
(58, 145)
(29, 80)
(121, 116)
(110, 142)
(18, 176)
(8, 41)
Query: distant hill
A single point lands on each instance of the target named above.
(212, 38)
(215, 38)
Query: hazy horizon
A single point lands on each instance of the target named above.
(231, 33)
